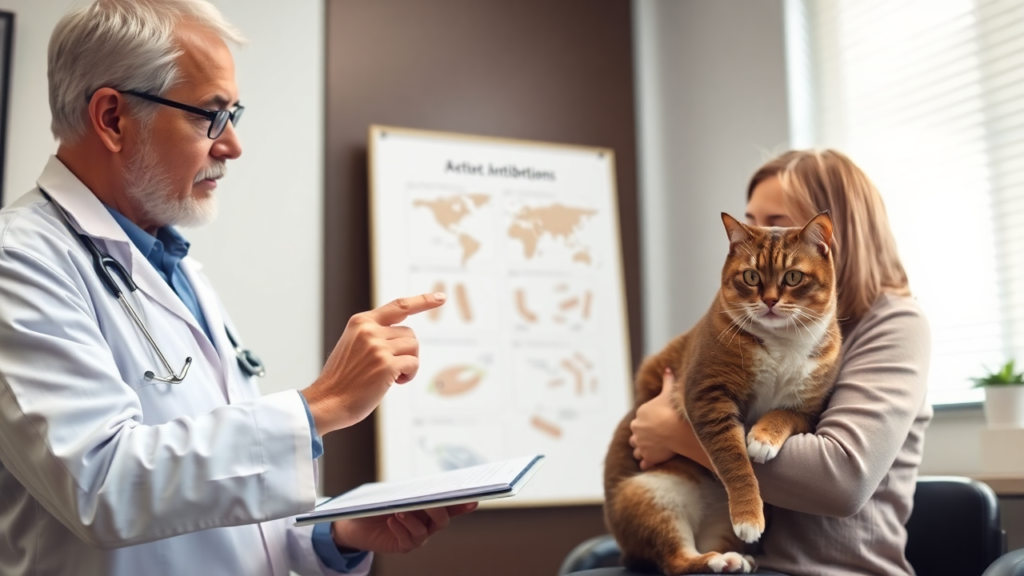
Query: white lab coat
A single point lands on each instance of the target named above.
(105, 473)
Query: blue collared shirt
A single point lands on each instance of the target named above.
(165, 252)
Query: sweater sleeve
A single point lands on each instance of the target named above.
(879, 392)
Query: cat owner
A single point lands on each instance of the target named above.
(841, 496)
(133, 438)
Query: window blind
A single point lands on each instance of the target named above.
(927, 96)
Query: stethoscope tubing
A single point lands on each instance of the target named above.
(247, 361)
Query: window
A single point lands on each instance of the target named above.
(927, 96)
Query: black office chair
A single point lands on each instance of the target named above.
(954, 529)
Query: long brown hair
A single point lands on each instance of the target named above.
(867, 263)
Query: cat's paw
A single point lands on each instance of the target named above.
(748, 532)
(731, 563)
(761, 449)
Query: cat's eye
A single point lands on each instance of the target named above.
(793, 277)
(751, 277)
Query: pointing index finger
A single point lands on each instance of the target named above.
(398, 310)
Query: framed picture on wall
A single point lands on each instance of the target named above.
(6, 48)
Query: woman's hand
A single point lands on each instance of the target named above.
(395, 533)
(659, 433)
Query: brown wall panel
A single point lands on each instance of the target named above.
(552, 70)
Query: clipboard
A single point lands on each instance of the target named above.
(473, 484)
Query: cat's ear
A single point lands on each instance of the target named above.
(738, 231)
(819, 232)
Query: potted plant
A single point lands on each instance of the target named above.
(1004, 397)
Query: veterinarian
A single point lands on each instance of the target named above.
(133, 438)
(840, 497)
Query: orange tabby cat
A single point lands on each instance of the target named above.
(762, 359)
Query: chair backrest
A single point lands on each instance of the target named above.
(954, 527)
(597, 552)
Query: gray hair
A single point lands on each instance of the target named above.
(121, 44)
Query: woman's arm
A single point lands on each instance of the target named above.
(878, 394)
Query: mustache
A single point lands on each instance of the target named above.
(214, 171)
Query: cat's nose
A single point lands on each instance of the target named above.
(771, 302)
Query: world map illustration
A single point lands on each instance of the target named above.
(450, 212)
(558, 221)
(530, 224)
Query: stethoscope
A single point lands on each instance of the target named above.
(103, 263)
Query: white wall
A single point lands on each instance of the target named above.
(711, 107)
(29, 142)
(264, 253)
(711, 94)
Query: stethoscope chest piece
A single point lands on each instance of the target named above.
(247, 361)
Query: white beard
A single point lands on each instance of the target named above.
(151, 193)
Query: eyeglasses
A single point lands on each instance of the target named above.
(218, 118)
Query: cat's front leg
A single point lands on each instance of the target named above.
(773, 429)
(719, 428)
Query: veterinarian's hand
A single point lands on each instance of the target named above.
(395, 533)
(372, 354)
(657, 427)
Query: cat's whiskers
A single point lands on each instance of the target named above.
(791, 323)
(736, 326)
(796, 318)
(818, 321)
(732, 326)
(748, 319)
(742, 307)
(810, 313)
(814, 317)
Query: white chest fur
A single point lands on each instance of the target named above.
(781, 371)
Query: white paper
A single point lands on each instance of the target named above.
(466, 481)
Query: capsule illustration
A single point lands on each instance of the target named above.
(456, 380)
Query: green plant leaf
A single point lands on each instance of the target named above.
(1005, 376)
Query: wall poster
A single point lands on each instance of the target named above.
(531, 352)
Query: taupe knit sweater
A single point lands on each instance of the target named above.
(842, 495)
